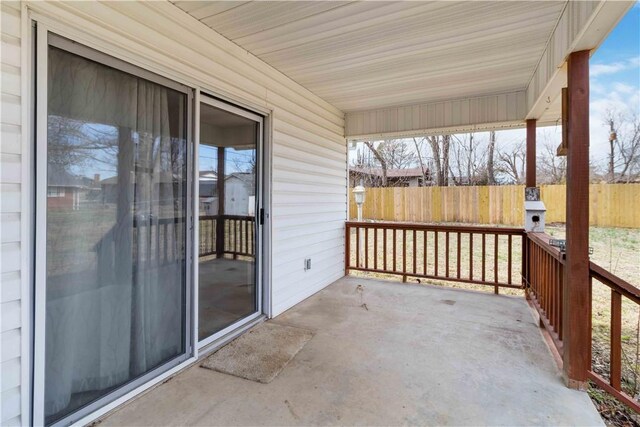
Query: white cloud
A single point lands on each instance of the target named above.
(597, 70)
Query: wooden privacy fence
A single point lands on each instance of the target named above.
(612, 205)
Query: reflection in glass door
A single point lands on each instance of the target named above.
(228, 290)
(116, 202)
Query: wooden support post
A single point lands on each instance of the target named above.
(577, 290)
(530, 176)
(220, 225)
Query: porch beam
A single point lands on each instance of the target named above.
(582, 26)
(530, 176)
(487, 112)
(577, 288)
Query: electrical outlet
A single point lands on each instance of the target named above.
(307, 264)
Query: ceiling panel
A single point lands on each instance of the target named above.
(364, 55)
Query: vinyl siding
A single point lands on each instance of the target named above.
(10, 216)
(502, 110)
(309, 152)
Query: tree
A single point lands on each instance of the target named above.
(511, 163)
(381, 159)
(551, 168)
(624, 147)
(468, 166)
(424, 168)
(491, 173)
(440, 153)
(391, 154)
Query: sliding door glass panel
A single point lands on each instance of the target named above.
(116, 230)
(227, 290)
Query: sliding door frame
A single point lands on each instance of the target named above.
(44, 39)
(129, 52)
(259, 228)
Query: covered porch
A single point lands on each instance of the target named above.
(385, 353)
(320, 75)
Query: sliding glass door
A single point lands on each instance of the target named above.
(228, 163)
(116, 174)
(115, 294)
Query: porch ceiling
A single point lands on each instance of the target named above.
(370, 55)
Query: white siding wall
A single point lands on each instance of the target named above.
(10, 216)
(309, 153)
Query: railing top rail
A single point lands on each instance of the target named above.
(437, 227)
(239, 217)
(542, 240)
(614, 282)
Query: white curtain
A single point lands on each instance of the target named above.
(118, 313)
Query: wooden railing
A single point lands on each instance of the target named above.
(238, 233)
(543, 276)
(475, 255)
(467, 254)
(619, 289)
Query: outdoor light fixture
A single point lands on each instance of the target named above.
(358, 195)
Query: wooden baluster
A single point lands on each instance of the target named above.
(560, 302)
(415, 254)
(424, 253)
(347, 249)
(541, 281)
(470, 256)
(366, 248)
(615, 376)
(375, 248)
(236, 239)
(436, 259)
(484, 257)
(495, 263)
(384, 248)
(552, 299)
(404, 255)
(547, 279)
(446, 251)
(395, 264)
(509, 260)
(458, 254)
(357, 246)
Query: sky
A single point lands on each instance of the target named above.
(614, 71)
(614, 84)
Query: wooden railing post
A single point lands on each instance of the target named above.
(220, 223)
(615, 373)
(530, 175)
(347, 249)
(577, 292)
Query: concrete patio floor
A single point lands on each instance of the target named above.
(386, 354)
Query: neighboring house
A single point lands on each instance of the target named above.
(64, 190)
(373, 177)
(239, 197)
(166, 185)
